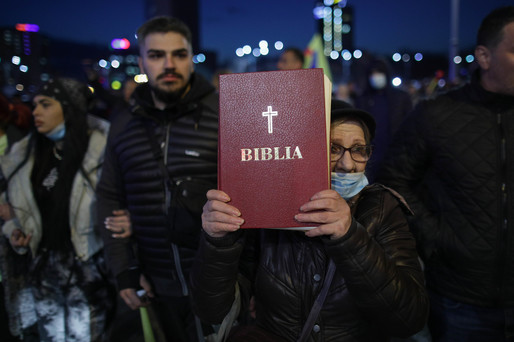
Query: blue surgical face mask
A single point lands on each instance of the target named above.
(348, 185)
(57, 133)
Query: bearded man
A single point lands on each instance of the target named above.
(161, 158)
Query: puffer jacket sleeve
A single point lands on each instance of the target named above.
(119, 253)
(380, 265)
(215, 272)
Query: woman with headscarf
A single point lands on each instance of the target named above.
(51, 174)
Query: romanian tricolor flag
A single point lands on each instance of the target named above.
(314, 56)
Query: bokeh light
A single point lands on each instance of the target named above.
(120, 44)
(397, 81)
(116, 85)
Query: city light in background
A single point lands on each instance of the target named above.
(120, 44)
(250, 50)
(27, 27)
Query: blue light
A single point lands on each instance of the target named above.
(318, 12)
(347, 55)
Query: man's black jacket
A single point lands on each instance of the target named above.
(165, 215)
(453, 161)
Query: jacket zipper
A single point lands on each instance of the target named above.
(174, 248)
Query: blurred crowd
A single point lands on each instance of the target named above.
(107, 235)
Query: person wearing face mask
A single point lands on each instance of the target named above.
(362, 236)
(58, 290)
(388, 105)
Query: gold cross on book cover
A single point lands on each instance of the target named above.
(273, 155)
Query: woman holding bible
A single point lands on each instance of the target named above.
(356, 277)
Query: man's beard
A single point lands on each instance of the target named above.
(168, 97)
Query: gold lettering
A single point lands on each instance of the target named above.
(297, 153)
(266, 153)
(277, 153)
(269, 153)
(246, 154)
(288, 152)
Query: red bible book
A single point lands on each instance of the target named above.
(273, 153)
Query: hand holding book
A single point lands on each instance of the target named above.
(329, 211)
(219, 217)
(325, 209)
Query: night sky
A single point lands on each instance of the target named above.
(379, 26)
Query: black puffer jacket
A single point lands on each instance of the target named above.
(377, 290)
(186, 139)
(453, 161)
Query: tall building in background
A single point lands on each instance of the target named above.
(335, 24)
(187, 11)
(29, 58)
(24, 57)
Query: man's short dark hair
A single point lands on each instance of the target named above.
(490, 32)
(163, 24)
(297, 53)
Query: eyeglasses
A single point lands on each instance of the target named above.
(359, 153)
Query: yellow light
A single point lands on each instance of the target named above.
(116, 85)
(141, 78)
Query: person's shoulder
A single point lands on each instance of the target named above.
(120, 121)
(20, 145)
(203, 91)
(211, 101)
(15, 155)
(446, 104)
(96, 123)
(438, 104)
(462, 93)
(386, 195)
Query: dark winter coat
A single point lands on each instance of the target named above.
(453, 161)
(165, 215)
(377, 290)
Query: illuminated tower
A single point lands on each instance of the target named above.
(335, 24)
